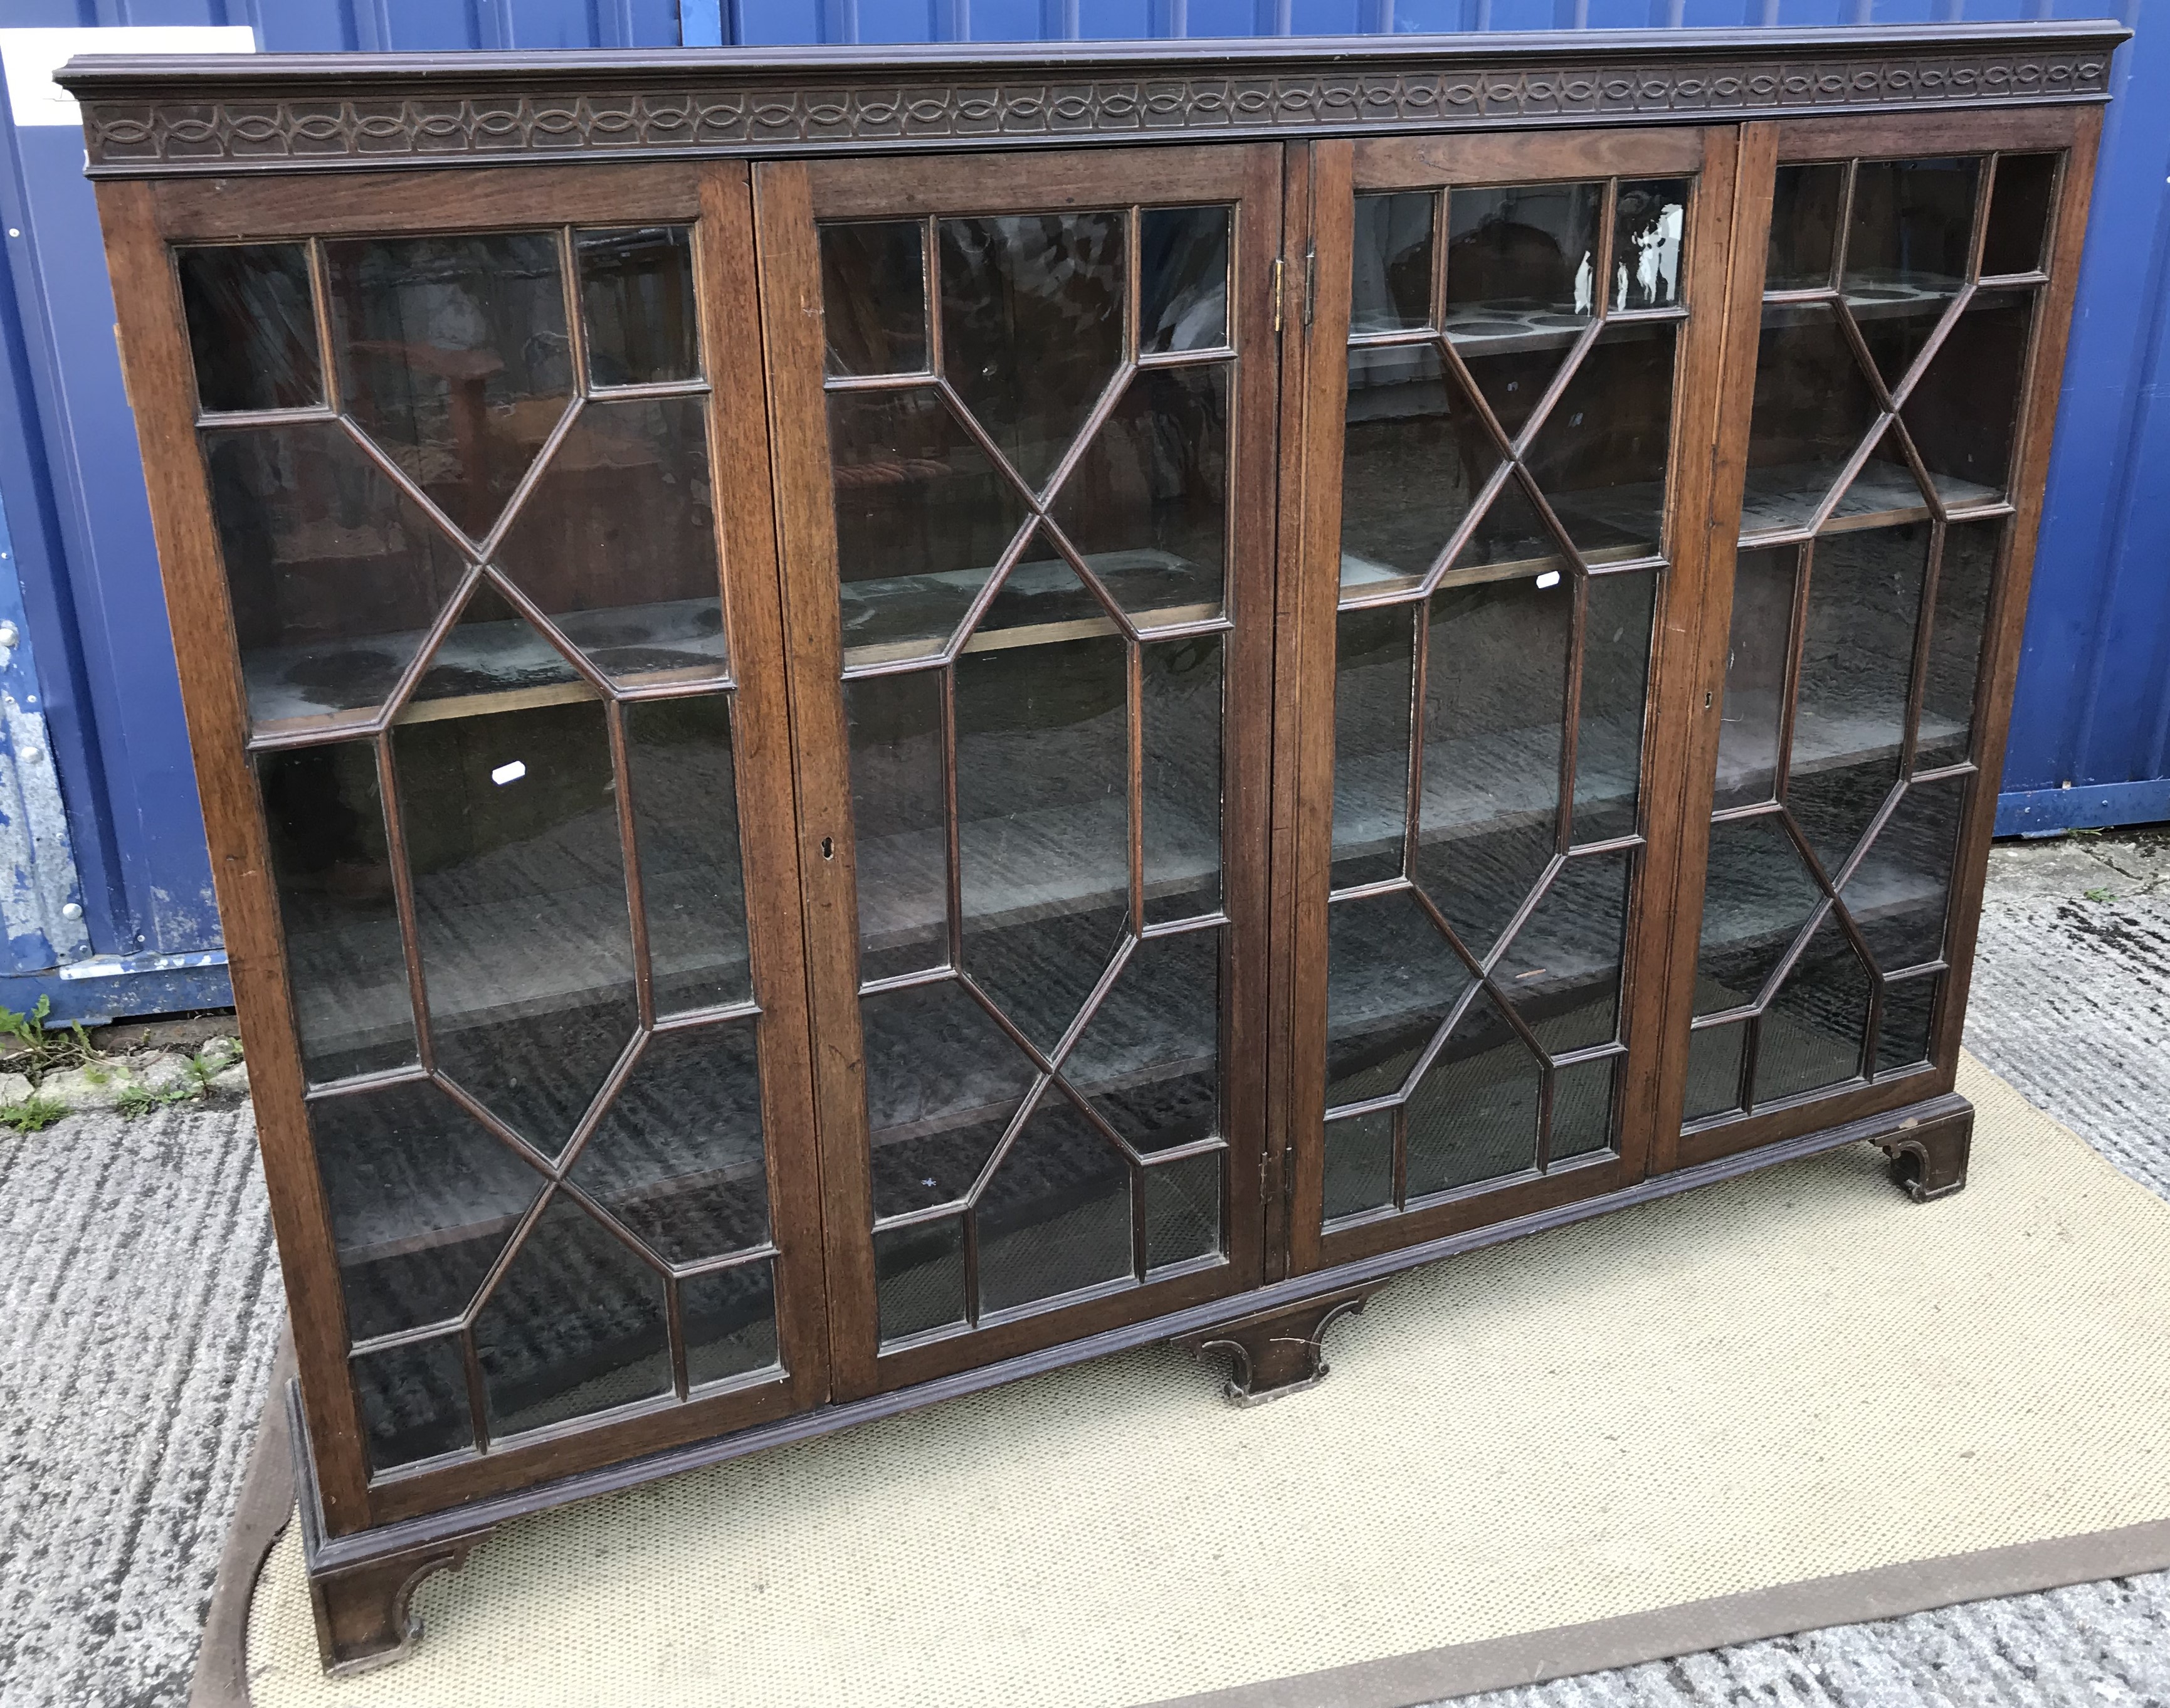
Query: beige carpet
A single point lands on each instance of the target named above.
(1788, 1377)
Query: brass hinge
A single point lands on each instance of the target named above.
(1310, 281)
(1280, 268)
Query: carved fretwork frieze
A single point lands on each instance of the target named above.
(136, 123)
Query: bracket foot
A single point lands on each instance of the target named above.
(1929, 1159)
(1279, 1351)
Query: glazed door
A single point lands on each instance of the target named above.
(1915, 291)
(1514, 337)
(1024, 409)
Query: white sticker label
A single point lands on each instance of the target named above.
(1549, 579)
(31, 57)
(509, 773)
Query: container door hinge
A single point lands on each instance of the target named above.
(1310, 281)
(1280, 268)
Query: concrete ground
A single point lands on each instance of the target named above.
(143, 1303)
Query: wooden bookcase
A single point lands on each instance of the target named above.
(873, 724)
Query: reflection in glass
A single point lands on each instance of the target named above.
(922, 520)
(413, 1401)
(1495, 692)
(1532, 246)
(873, 296)
(1390, 262)
(1149, 1060)
(1600, 455)
(252, 325)
(1650, 223)
(919, 1278)
(1714, 1063)
(422, 1198)
(493, 659)
(1812, 407)
(2019, 214)
(453, 355)
(1056, 1216)
(1511, 538)
(942, 1081)
(1032, 326)
(1582, 1108)
(637, 293)
(512, 837)
(1181, 683)
(900, 828)
(1912, 225)
(1910, 1009)
(1856, 663)
(333, 576)
(1183, 1210)
(1473, 1116)
(1757, 654)
(346, 972)
(1899, 894)
(1416, 454)
(1963, 576)
(577, 1325)
(617, 542)
(1885, 488)
(1812, 1035)
(1183, 279)
(1804, 212)
(678, 1160)
(1963, 412)
(1373, 665)
(1390, 981)
(729, 1321)
(1042, 790)
(1147, 504)
(1757, 895)
(1359, 1163)
(1616, 679)
(685, 827)
(1561, 970)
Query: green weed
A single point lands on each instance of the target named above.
(33, 1115)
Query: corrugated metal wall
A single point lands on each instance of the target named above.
(105, 894)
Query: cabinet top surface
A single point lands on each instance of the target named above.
(158, 115)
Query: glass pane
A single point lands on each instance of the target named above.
(616, 543)
(1962, 613)
(922, 520)
(1183, 279)
(1761, 643)
(1856, 663)
(1149, 1060)
(1391, 981)
(873, 296)
(637, 293)
(899, 824)
(252, 326)
(334, 576)
(413, 1401)
(728, 1317)
(1811, 1037)
(1182, 686)
(1372, 683)
(1814, 405)
(686, 826)
(1473, 1116)
(1907, 248)
(577, 1325)
(1056, 1216)
(1582, 1108)
(1616, 679)
(1390, 262)
(1599, 457)
(2018, 213)
(1147, 504)
(1359, 1163)
(1650, 223)
(512, 837)
(1043, 824)
(492, 659)
(1520, 284)
(1496, 692)
(422, 1199)
(1032, 326)
(1562, 970)
(1804, 224)
(1903, 1036)
(453, 355)
(1963, 412)
(346, 971)
(1757, 895)
(1883, 490)
(1042, 598)
(1511, 538)
(1899, 894)
(679, 1160)
(1416, 455)
(1715, 1070)
(942, 1081)
(1183, 1210)
(919, 1278)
